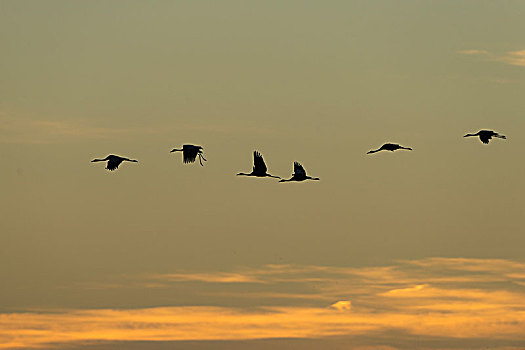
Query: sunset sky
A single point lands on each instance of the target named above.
(419, 249)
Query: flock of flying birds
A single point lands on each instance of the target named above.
(191, 152)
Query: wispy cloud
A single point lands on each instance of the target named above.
(221, 277)
(469, 299)
(446, 271)
(16, 129)
(514, 58)
(474, 52)
(36, 131)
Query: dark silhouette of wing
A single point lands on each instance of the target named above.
(298, 169)
(485, 137)
(258, 164)
(113, 163)
(190, 154)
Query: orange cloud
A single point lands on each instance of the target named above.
(447, 298)
(214, 323)
(342, 305)
(406, 292)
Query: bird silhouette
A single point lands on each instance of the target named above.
(486, 135)
(259, 168)
(299, 174)
(389, 147)
(190, 153)
(114, 161)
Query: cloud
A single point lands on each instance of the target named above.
(467, 299)
(473, 52)
(342, 305)
(18, 129)
(35, 131)
(223, 277)
(406, 292)
(219, 323)
(514, 58)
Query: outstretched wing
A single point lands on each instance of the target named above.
(298, 169)
(113, 163)
(258, 163)
(189, 153)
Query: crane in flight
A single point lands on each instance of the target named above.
(389, 147)
(259, 167)
(190, 153)
(486, 135)
(114, 161)
(299, 174)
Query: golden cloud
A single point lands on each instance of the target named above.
(342, 305)
(448, 298)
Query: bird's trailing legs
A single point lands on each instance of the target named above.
(201, 158)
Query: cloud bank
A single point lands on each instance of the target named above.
(466, 299)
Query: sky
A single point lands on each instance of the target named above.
(396, 250)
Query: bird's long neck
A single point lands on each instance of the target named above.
(276, 177)
(176, 150)
(313, 178)
(99, 160)
(244, 174)
(467, 135)
(286, 180)
(373, 151)
(407, 148)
